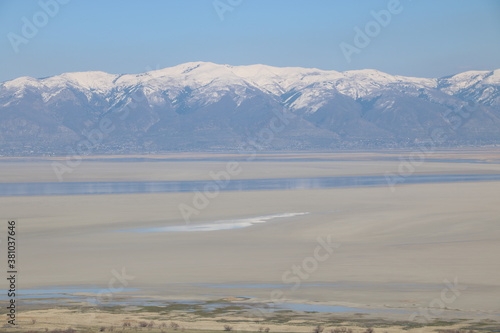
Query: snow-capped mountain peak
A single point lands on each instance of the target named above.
(203, 105)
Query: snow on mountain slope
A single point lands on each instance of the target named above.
(87, 80)
(202, 105)
(459, 82)
(210, 80)
(197, 84)
(494, 78)
(275, 80)
(480, 86)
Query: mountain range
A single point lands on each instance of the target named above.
(202, 106)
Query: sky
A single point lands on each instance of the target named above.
(423, 38)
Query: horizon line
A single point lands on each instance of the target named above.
(256, 64)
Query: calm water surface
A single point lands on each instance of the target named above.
(93, 188)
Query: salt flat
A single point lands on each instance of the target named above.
(199, 166)
(396, 248)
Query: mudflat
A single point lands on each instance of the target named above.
(389, 251)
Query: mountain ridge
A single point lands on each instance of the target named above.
(222, 106)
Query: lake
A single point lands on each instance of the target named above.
(94, 188)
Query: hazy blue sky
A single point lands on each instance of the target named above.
(427, 38)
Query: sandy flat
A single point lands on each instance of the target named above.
(396, 248)
(296, 165)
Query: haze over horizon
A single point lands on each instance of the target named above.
(419, 39)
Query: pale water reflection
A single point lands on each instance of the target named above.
(94, 188)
